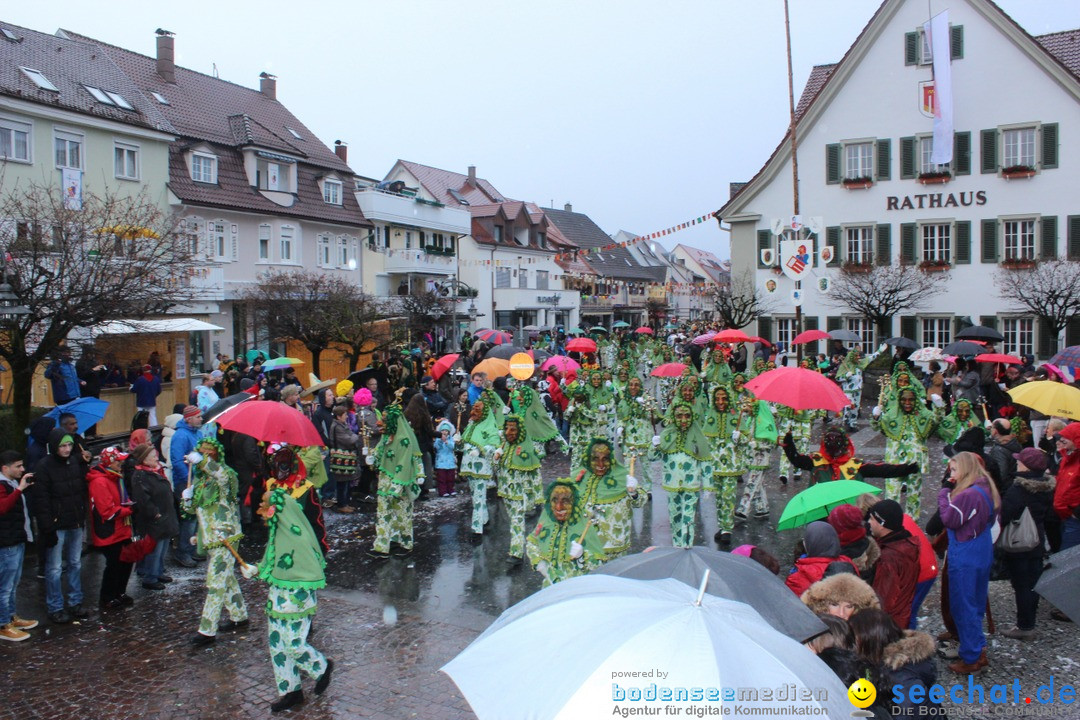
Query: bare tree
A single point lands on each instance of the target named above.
(111, 258)
(1050, 290)
(422, 312)
(884, 292)
(365, 328)
(740, 303)
(308, 307)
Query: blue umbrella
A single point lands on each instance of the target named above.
(87, 411)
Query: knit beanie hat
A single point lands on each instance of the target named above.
(848, 521)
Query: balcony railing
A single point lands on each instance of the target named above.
(421, 261)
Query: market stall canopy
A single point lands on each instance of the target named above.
(159, 325)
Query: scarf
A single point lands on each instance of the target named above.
(293, 557)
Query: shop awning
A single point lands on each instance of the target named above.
(160, 325)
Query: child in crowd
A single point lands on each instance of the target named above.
(445, 460)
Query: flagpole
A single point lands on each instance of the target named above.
(794, 163)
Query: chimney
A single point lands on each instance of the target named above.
(268, 85)
(166, 64)
(341, 150)
(472, 175)
(568, 207)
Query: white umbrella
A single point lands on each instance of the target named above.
(926, 354)
(573, 649)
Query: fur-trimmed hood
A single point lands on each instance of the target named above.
(844, 587)
(914, 647)
(1041, 484)
(867, 558)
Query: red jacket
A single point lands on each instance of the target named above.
(106, 511)
(557, 395)
(1067, 493)
(808, 570)
(895, 575)
(927, 559)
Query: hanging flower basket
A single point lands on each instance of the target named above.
(1018, 262)
(857, 267)
(861, 183)
(934, 266)
(1017, 172)
(935, 178)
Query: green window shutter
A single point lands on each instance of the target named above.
(909, 327)
(962, 153)
(988, 140)
(832, 239)
(810, 322)
(989, 321)
(911, 48)
(1047, 340)
(907, 158)
(832, 163)
(962, 254)
(764, 328)
(907, 242)
(833, 322)
(989, 241)
(1073, 223)
(883, 250)
(884, 158)
(958, 324)
(1049, 145)
(956, 42)
(1072, 332)
(1048, 231)
(764, 242)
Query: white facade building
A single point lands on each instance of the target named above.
(864, 144)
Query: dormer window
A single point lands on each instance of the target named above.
(331, 192)
(204, 168)
(274, 176)
(39, 79)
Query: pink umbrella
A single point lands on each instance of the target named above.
(669, 370)
(808, 336)
(704, 339)
(799, 389)
(999, 358)
(644, 331)
(560, 363)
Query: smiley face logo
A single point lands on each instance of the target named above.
(862, 693)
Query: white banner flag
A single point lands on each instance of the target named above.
(72, 181)
(938, 32)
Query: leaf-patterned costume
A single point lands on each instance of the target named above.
(478, 442)
(293, 565)
(609, 503)
(685, 456)
(728, 462)
(214, 503)
(548, 546)
(956, 423)
(526, 403)
(584, 423)
(849, 373)
(602, 401)
(634, 415)
(758, 438)
(518, 471)
(400, 469)
(905, 442)
(716, 369)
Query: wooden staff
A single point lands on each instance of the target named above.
(234, 553)
(581, 538)
(630, 469)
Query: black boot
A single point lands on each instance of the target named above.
(324, 680)
(287, 701)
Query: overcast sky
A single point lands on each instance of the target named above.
(639, 113)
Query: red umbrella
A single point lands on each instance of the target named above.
(270, 422)
(808, 336)
(669, 370)
(755, 338)
(443, 364)
(799, 389)
(136, 551)
(560, 363)
(999, 358)
(732, 335)
(644, 330)
(581, 345)
(493, 337)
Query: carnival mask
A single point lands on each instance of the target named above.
(907, 402)
(562, 503)
(600, 459)
(683, 417)
(511, 432)
(635, 387)
(835, 442)
(720, 400)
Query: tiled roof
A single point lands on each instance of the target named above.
(1065, 46)
(209, 108)
(615, 262)
(819, 75)
(717, 270)
(440, 182)
(70, 65)
(234, 191)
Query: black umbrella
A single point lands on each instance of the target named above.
(540, 355)
(963, 348)
(1060, 582)
(224, 404)
(902, 342)
(360, 378)
(733, 577)
(979, 332)
(504, 351)
(845, 335)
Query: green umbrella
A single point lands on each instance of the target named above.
(816, 502)
(671, 326)
(621, 324)
(575, 331)
(598, 328)
(250, 355)
(283, 362)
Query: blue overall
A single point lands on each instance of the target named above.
(969, 581)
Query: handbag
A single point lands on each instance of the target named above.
(342, 462)
(1020, 535)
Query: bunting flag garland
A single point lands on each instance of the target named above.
(640, 238)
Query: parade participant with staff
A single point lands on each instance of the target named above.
(564, 544)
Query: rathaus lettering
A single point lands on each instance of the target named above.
(935, 200)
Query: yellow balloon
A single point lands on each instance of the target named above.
(862, 693)
(522, 366)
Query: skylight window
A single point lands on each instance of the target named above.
(295, 134)
(159, 97)
(99, 95)
(119, 100)
(9, 35)
(39, 79)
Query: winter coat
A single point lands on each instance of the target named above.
(110, 520)
(969, 512)
(911, 662)
(1001, 463)
(14, 524)
(436, 403)
(1067, 492)
(822, 549)
(1035, 492)
(928, 568)
(155, 514)
(444, 454)
(896, 574)
(64, 379)
(146, 391)
(167, 432)
(844, 587)
(58, 500)
(864, 554)
(341, 437)
(183, 442)
(322, 417)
